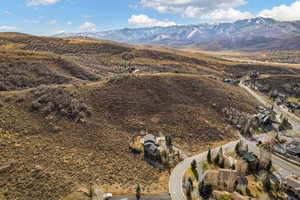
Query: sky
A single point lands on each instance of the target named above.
(49, 17)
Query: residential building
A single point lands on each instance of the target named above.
(151, 148)
(292, 184)
(222, 179)
(293, 148)
(251, 159)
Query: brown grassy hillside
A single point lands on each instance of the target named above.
(90, 60)
(70, 107)
(53, 153)
(289, 85)
(22, 69)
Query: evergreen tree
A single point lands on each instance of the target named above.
(237, 147)
(189, 192)
(209, 156)
(217, 159)
(267, 183)
(194, 169)
(269, 166)
(277, 136)
(233, 167)
(138, 192)
(168, 141)
(194, 165)
(222, 163)
(191, 183)
(221, 151)
(205, 190)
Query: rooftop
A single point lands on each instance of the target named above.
(293, 182)
(149, 138)
(248, 156)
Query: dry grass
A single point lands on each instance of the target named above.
(50, 163)
(185, 107)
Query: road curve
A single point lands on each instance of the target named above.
(176, 178)
(177, 175)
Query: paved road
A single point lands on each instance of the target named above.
(176, 183)
(293, 119)
(144, 197)
(176, 178)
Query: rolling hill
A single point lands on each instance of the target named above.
(53, 152)
(70, 107)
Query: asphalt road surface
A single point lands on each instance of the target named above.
(146, 197)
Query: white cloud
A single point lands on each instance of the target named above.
(8, 28)
(145, 21)
(59, 31)
(7, 12)
(283, 12)
(229, 15)
(69, 23)
(213, 10)
(87, 26)
(41, 2)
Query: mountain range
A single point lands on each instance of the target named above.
(251, 34)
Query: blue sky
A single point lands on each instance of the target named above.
(48, 17)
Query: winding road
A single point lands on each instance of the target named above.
(177, 175)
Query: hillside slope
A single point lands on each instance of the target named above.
(70, 107)
(53, 153)
(27, 61)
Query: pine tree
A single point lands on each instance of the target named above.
(205, 190)
(217, 159)
(221, 151)
(237, 148)
(267, 183)
(269, 166)
(209, 156)
(191, 184)
(194, 169)
(194, 165)
(189, 192)
(222, 164)
(168, 141)
(233, 167)
(138, 192)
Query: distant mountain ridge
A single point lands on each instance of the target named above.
(251, 34)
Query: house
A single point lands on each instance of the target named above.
(251, 159)
(293, 148)
(149, 139)
(293, 107)
(264, 119)
(282, 96)
(292, 184)
(151, 149)
(261, 109)
(222, 179)
(253, 75)
(280, 148)
(278, 176)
